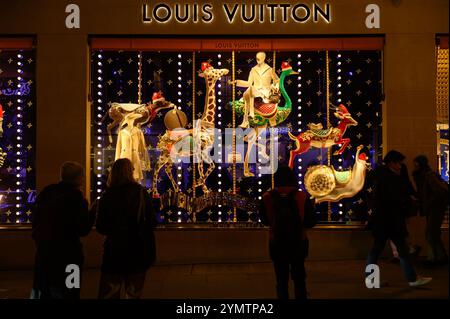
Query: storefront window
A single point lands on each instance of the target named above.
(354, 82)
(17, 135)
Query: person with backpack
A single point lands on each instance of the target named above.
(288, 213)
(392, 203)
(125, 215)
(433, 197)
(60, 218)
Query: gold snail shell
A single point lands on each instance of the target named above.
(319, 180)
(175, 119)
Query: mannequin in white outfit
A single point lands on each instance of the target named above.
(131, 145)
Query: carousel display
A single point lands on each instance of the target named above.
(160, 135)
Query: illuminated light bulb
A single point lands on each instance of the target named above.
(339, 63)
(19, 56)
(99, 63)
(179, 78)
(179, 63)
(179, 213)
(179, 56)
(99, 190)
(219, 56)
(99, 145)
(259, 190)
(339, 56)
(339, 77)
(259, 197)
(219, 189)
(99, 160)
(99, 167)
(340, 204)
(340, 212)
(219, 63)
(259, 175)
(259, 182)
(339, 70)
(99, 183)
(99, 71)
(179, 100)
(19, 78)
(219, 123)
(99, 175)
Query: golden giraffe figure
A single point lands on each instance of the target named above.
(169, 144)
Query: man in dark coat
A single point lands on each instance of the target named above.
(288, 213)
(392, 202)
(60, 218)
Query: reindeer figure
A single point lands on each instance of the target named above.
(169, 143)
(117, 111)
(317, 137)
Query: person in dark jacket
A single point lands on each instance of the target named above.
(392, 201)
(433, 197)
(288, 241)
(126, 218)
(60, 217)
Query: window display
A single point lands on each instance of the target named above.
(217, 124)
(17, 135)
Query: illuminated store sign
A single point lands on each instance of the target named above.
(232, 12)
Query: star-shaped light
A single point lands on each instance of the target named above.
(249, 190)
(130, 82)
(319, 114)
(30, 103)
(119, 93)
(348, 82)
(369, 125)
(358, 114)
(9, 169)
(109, 61)
(109, 82)
(120, 71)
(29, 125)
(250, 60)
(308, 60)
(9, 82)
(348, 60)
(368, 82)
(229, 61)
(9, 147)
(358, 71)
(169, 60)
(358, 92)
(319, 71)
(159, 71)
(189, 61)
(10, 60)
(359, 135)
(29, 169)
(309, 103)
(319, 93)
(9, 103)
(169, 82)
(29, 147)
(199, 114)
(130, 60)
(308, 82)
(149, 82)
(189, 82)
(368, 60)
(9, 125)
(369, 103)
(349, 103)
(239, 71)
(199, 92)
(149, 61)
(1, 71)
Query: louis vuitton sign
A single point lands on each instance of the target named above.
(161, 13)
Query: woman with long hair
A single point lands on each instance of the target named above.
(127, 219)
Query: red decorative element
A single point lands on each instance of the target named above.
(206, 65)
(1, 112)
(362, 156)
(316, 138)
(157, 96)
(285, 66)
(343, 109)
(267, 110)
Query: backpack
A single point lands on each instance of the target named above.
(288, 224)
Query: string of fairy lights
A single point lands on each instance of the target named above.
(98, 165)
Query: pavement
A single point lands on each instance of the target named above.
(325, 280)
